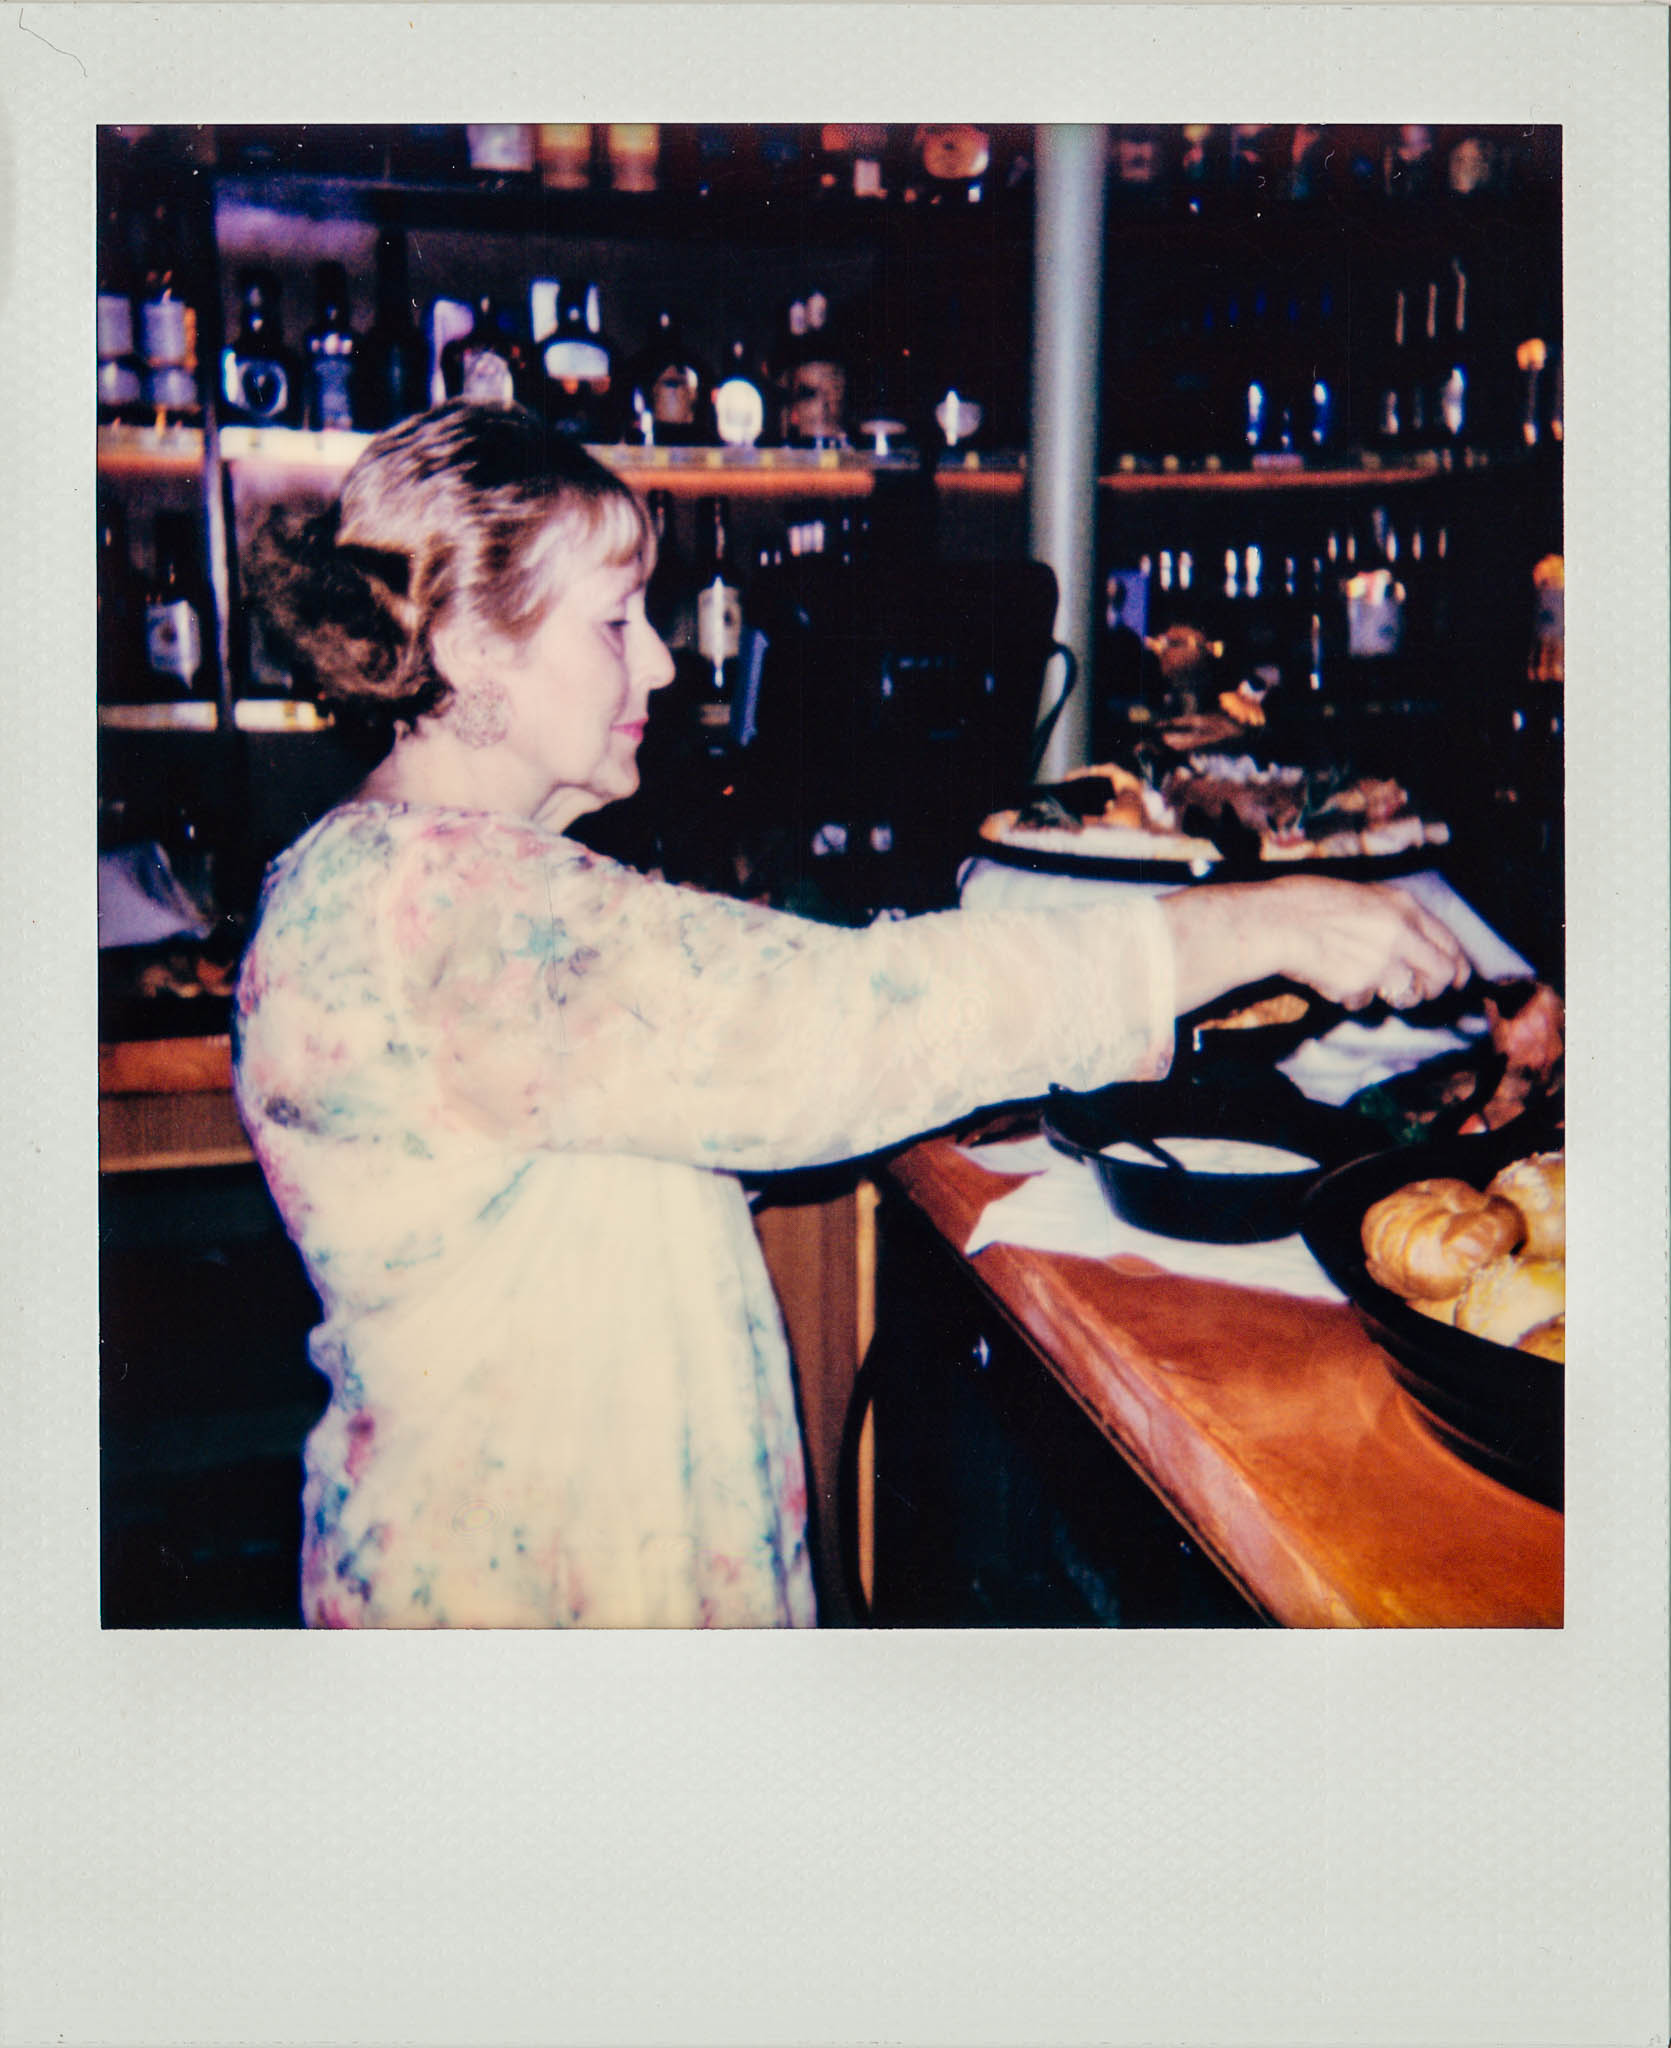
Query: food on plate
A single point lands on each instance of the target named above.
(1212, 803)
(1528, 1025)
(1287, 1008)
(1426, 1239)
(1538, 1189)
(1508, 1299)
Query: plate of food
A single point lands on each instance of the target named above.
(1217, 815)
(1454, 1256)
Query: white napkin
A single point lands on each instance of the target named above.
(1334, 1067)
(1062, 1208)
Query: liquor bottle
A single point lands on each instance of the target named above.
(579, 395)
(488, 364)
(671, 597)
(1309, 150)
(168, 322)
(328, 354)
(391, 363)
(1253, 182)
(719, 621)
(1473, 169)
(1201, 169)
(500, 146)
(1375, 596)
(120, 390)
(1389, 414)
(118, 632)
(666, 388)
(1452, 402)
(1328, 420)
(851, 161)
(563, 151)
(1138, 169)
(1407, 167)
(1262, 382)
(1422, 429)
(813, 378)
(176, 611)
(738, 401)
(955, 160)
(260, 378)
(633, 152)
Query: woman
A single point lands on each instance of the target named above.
(500, 1086)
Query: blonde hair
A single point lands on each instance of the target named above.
(470, 515)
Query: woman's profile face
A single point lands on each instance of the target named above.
(580, 688)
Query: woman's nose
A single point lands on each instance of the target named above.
(657, 663)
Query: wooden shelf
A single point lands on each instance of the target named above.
(740, 472)
(193, 717)
(143, 452)
(1368, 475)
(279, 714)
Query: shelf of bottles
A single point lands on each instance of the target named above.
(1292, 312)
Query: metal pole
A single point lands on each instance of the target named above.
(1062, 455)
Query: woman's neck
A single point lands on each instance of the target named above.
(427, 765)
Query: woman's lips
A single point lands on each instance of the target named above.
(632, 727)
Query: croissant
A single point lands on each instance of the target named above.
(1538, 1189)
(1425, 1240)
(1547, 1340)
(1506, 1300)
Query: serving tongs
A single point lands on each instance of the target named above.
(1120, 1133)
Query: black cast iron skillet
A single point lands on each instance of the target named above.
(1501, 1410)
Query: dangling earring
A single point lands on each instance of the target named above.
(480, 716)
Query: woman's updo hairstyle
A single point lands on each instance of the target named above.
(470, 515)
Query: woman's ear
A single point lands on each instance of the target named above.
(459, 653)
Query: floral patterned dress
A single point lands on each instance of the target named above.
(500, 1088)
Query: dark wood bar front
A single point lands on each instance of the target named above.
(1269, 1426)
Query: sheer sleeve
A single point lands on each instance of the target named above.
(563, 1000)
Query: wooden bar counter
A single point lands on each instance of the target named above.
(1270, 1427)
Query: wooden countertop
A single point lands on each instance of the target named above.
(167, 1103)
(1271, 1426)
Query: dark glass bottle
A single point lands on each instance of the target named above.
(328, 350)
(577, 385)
(488, 365)
(666, 388)
(176, 612)
(168, 321)
(719, 621)
(812, 378)
(671, 598)
(391, 363)
(120, 389)
(118, 629)
(955, 160)
(260, 377)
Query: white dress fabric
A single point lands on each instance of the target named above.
(500, 1088)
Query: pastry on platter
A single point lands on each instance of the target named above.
(1426, 1240)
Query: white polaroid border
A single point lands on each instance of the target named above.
(1226, 1838)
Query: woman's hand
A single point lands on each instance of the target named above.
(1352, 942)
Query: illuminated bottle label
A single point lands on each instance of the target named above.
(739, 413)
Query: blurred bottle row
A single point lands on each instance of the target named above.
(1190, 168)
(1320, 604)
(817, 382)
(1216, 366)
(1430, 354)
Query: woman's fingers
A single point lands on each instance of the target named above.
(1356, 944)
